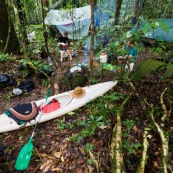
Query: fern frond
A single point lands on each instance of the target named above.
(147, 67)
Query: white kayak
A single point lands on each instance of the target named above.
(68, 102)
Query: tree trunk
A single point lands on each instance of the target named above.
(44, 28)
(92, 39)
(20, 17)
(117, 11)
(13, 44)
(135, 7)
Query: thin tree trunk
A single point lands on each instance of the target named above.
(13, 44)
(44, 28)
(22, 28)
(9, 28)
(117, 11)
(92, 39)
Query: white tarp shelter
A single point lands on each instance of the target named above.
(75, 21)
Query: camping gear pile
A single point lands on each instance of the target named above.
(78, 76)
(6, 80)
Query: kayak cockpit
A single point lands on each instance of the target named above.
(55, 103)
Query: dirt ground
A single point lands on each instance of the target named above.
(53, 152)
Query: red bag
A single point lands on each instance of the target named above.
(52, 106)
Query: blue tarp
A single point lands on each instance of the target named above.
(159, 33)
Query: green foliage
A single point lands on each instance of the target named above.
(130, 147)
(163, 25)
(89, 147)
(93, 80)
(146, 68)
(90, 161)
(169, 71)
(9, 96)
(5, 57)
(97, 117)
(133, 147)
(61, 125)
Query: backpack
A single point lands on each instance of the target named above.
(7, 80)
(77, 77)
(26, 86)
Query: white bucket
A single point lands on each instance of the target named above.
(103, 58)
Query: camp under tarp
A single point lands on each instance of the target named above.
(159, 33)
(75, 21)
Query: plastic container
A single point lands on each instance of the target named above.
(103, 58)
(49, 60)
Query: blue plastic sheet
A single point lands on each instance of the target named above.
(159, 33)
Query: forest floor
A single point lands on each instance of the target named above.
(54, 152)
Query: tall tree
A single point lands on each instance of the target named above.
(13, 44)
(21, 18)
(117, 11)
(92, 39)
(135, 7)
(44, 3)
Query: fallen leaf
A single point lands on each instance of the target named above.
(46, 166)
(103, 126)
(62, 159)
(91, 169)
(57, 154)
(155, 164)
(149, 136)
(56, 169)
(135, 129)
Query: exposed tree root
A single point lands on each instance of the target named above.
(141, 166)
(164, 140)
(166, 112)
(148, 108)
(116, 144)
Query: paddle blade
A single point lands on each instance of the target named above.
(48, 93)
(24, 156)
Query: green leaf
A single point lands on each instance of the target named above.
(131, 150)
(137, 145)
(147, 129)
(146, 68)
(169, 71)
(71, 113)
(164, 26)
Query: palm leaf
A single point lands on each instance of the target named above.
(147, 67)
(169, 71)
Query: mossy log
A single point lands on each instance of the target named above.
(116, 144)
(141, 166)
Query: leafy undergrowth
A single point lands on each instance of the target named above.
(80, 141)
